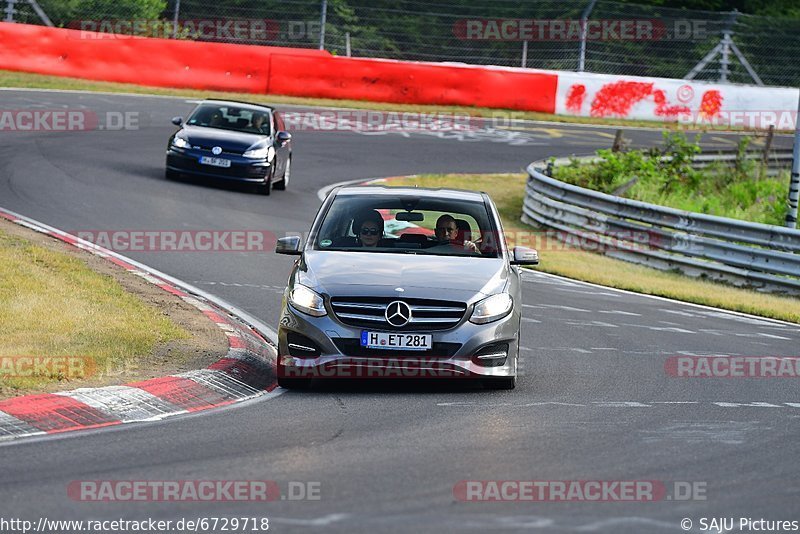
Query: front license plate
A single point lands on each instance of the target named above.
(216, 162)
(384, 340)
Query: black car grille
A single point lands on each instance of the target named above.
(370, 312)
(224, 152)
(352, 347)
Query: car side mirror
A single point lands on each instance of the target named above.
(525, 256)
(288, 245)
(283, 137)
(177, 121)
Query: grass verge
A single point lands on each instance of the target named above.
(83, 326)
(507, 191)
(24, 80)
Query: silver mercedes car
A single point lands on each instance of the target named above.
(402, 283)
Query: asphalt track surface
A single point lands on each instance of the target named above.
(593, 401)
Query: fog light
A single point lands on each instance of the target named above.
(492, 355)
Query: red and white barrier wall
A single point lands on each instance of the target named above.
(664, 99)
(314, 73)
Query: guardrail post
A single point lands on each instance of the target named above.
(619, 141)
(768, 143)
(794, 181)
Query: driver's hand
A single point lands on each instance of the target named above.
(471, 246)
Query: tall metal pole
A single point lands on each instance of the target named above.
(794, 181)
(524, 54)
(10, 10)
(175, 19)
(724, 60)
(584, 20)
(322, 20)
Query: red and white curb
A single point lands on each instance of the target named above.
(245, 372)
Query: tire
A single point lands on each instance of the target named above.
(500, 382)
(169, 174)
(294, 383)
(266, 188)
(280, 186)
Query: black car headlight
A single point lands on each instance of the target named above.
(307, 301)
(492, 308)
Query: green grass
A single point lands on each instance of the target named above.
(37, 81)
(507, 191)
(53, 305)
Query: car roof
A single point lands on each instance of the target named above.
(238, 103)
(425, 192)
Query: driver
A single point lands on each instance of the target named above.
(257, 122)
(447, 233)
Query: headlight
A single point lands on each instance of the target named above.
(267, 152)
(180, 142)
(307, 301)
(492, 308)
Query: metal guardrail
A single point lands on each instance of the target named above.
(755, 255)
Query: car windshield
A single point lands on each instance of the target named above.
(409, 225)
(227, 117)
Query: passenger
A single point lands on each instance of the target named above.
(447, 232)
(464, 231)
(369, 228)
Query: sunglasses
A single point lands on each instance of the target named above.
(369, 231)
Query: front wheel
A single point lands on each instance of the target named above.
(286, 174)
(266, 187)
(500, 382)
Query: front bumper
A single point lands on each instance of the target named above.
(338, 354)
(242, 169)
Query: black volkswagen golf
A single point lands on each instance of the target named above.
(232, 140)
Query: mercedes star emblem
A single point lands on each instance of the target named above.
(398, 313)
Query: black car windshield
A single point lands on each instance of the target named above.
(409, 225)
(230, 117)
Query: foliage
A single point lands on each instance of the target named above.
(726, 190)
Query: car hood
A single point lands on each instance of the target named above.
(228, 140)
(466, 279)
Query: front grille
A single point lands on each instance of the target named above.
(352, 347)
(370, 312)
(224, 152)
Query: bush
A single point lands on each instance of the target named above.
(725, 190)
